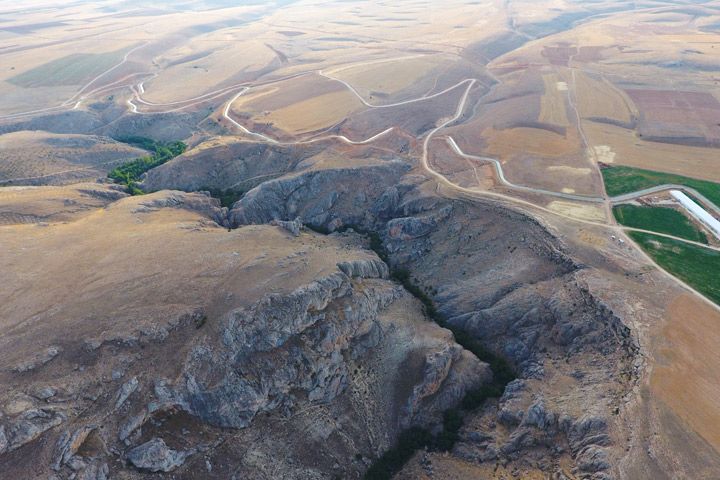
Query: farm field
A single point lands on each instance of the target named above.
(623, 147)
(71, 70)
(381, 81)
(695, 265)
(658, 219)
(620, 180)
(600, 100)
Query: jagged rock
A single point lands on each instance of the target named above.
(233, 164)
(94, 471)
(370, 268)
(409, 228)
(276, 318)
(317, 196)
(156, 456)
(513, 389)
(68, 445)
(125, 391)
(294, 226)
(520, 439)
(537, 416)
(3, 440)
(590, 429)
(255, 381)
(111, 193)
(479, 437)
(76, 464)
(41, 359)
(593, 459)
(197, 202)
(45, 393)
(131, 424)
(298, 352)
(31, 424)
(437, 367)
(509, 416)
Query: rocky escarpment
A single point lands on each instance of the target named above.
(225, 164)
(271, 342)
(316, 346)
(500, 276)
(324, 198)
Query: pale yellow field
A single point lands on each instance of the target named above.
(387, 77)
(511, 141)
(593, 213)
(313, 114)
(687, 375)
(632, 151)
(600, 99)
(222, 62)
(289, 108)
(552, 103)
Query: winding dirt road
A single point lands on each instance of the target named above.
(138, 90)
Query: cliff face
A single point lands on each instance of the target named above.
(500, 276)
(327, 199)
(226, 164)
(193, 340)
(210, 377)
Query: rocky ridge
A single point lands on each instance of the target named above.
(532, 307)
(347, 351)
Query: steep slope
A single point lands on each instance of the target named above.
(500, 276)
(162, 342)
(42, 158)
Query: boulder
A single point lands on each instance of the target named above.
(156, 456)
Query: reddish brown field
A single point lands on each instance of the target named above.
(674, 106)
(559, 55)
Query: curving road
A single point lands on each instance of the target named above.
(501, 176)
(138, 90)
(77, 98)
(627, 197)
(343, 138)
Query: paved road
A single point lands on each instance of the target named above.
(661, 188)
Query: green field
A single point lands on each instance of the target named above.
(73, 69)
(696, 266)
(659, 219)
(620, 180)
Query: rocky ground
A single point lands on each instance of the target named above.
(205, 341)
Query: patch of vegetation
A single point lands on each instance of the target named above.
(322, 230)
(620, 180)
(659, 219)
(227, 196)
(392, 461)
(129, 172)
(696, 266)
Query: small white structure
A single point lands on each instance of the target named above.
(697, 211)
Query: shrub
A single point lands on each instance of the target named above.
(129, 172)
